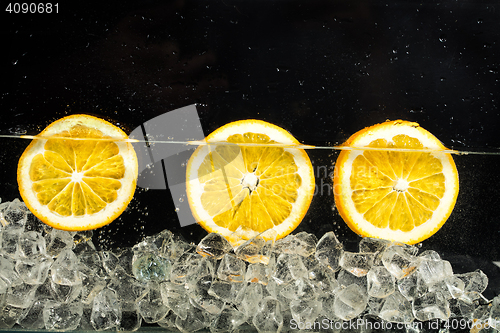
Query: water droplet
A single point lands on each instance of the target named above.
(177, 209)
(14, 62)
(181, 200)
(442, 38)
(442, 79)
(479, 21)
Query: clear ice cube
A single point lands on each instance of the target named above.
(257, 249)
(475, 283)
(303, 244)
(31, 244)
(356, 263)
(329, 251)
(34, 270)
(149, 267)
(231, 269)
(350, 302)
(62, 316)
(151, 306)
(430, 306)
(380, 283)
(228, 320)
(432, 271)
(305, 310)
(175, 297)
(396, 308)
(214, 245)
(399, 261)
(106, 311)
(268, 317)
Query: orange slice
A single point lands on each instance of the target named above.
(75, 184)
(396, 195)
(236, 189)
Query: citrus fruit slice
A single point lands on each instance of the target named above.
(237, 187)
(396, 195)
(75, 184)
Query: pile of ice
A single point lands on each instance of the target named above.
(56, 280)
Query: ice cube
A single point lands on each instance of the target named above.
(182, 267)
(345, 279)
(21, 295)
(9, 242)
(106, 311)
(329, 250)
(451, 287)
(196, 320)
(303, 244)
(92, 284)
(305, 311)
(430, 255)
(430, 306)
(287, 268)
(34, 270)
(475, 283)
(380, 283)
(13, 215)
(298, 289)
(399, 262)
(31, 244)
(350, 302)
(231, 269)
(175, 297)
(227, 291)
(374, 245)
(494, 313)
(200, 267)
(58, 241)
(9, 315)
(91, 260)
(228, 320)
(432, 271)
(131, 320)
(8, 274)
(323, 280)
(149, 267)
(412, 286)
(62, 316)
(254, 292)
(32, 317)
(169, 322)
(214, 245)
(327, 306)
(268, 316)
(257, 249)
(109, 261)
(397, 309)
(258, 273)
(163, 242)
(356, 263)
(64, 268)
(65, 293)
(127, 288)
(126, 259)
(151, 306)
(198, 292)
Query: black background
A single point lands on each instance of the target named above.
(320, 69)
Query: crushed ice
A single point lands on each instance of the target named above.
(57, 280)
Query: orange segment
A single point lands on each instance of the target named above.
(80, 178)
(244, 189)
(404, 195)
